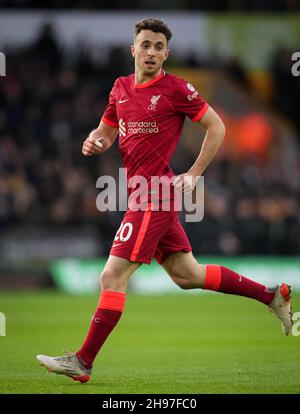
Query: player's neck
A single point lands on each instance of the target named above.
(141, 77)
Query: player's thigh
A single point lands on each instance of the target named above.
(183, 266)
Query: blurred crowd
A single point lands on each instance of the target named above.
(220, 5)
(49, 103)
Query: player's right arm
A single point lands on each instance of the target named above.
(99, 140)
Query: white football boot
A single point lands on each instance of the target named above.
(281, 307)
(68, 365)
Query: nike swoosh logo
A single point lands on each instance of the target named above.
(123, 100)
(115, 245)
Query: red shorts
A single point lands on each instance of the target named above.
(147, 234)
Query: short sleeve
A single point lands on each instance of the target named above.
(189, 102)
(110, 116)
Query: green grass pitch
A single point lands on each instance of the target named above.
(188, 343)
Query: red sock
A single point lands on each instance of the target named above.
(107, 315)
(224, 280)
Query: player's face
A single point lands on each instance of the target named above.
(150, 50)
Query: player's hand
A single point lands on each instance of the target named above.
(92, 146)
(185, 182)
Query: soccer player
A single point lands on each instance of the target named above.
(147, 110)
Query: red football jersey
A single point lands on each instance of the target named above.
(150, 119)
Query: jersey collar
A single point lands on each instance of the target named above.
(145, 85)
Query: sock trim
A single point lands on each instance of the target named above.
(212, 277)
(112, 300)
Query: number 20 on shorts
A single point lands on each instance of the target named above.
(124, 232)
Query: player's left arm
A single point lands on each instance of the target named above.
(215, 134)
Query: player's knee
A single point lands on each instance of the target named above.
(104, 279)
(110, 280)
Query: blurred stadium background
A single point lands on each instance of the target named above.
(61, 62)
(60, 66)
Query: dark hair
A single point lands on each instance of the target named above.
(156, 25)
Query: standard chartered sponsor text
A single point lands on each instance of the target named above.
(142, 127)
